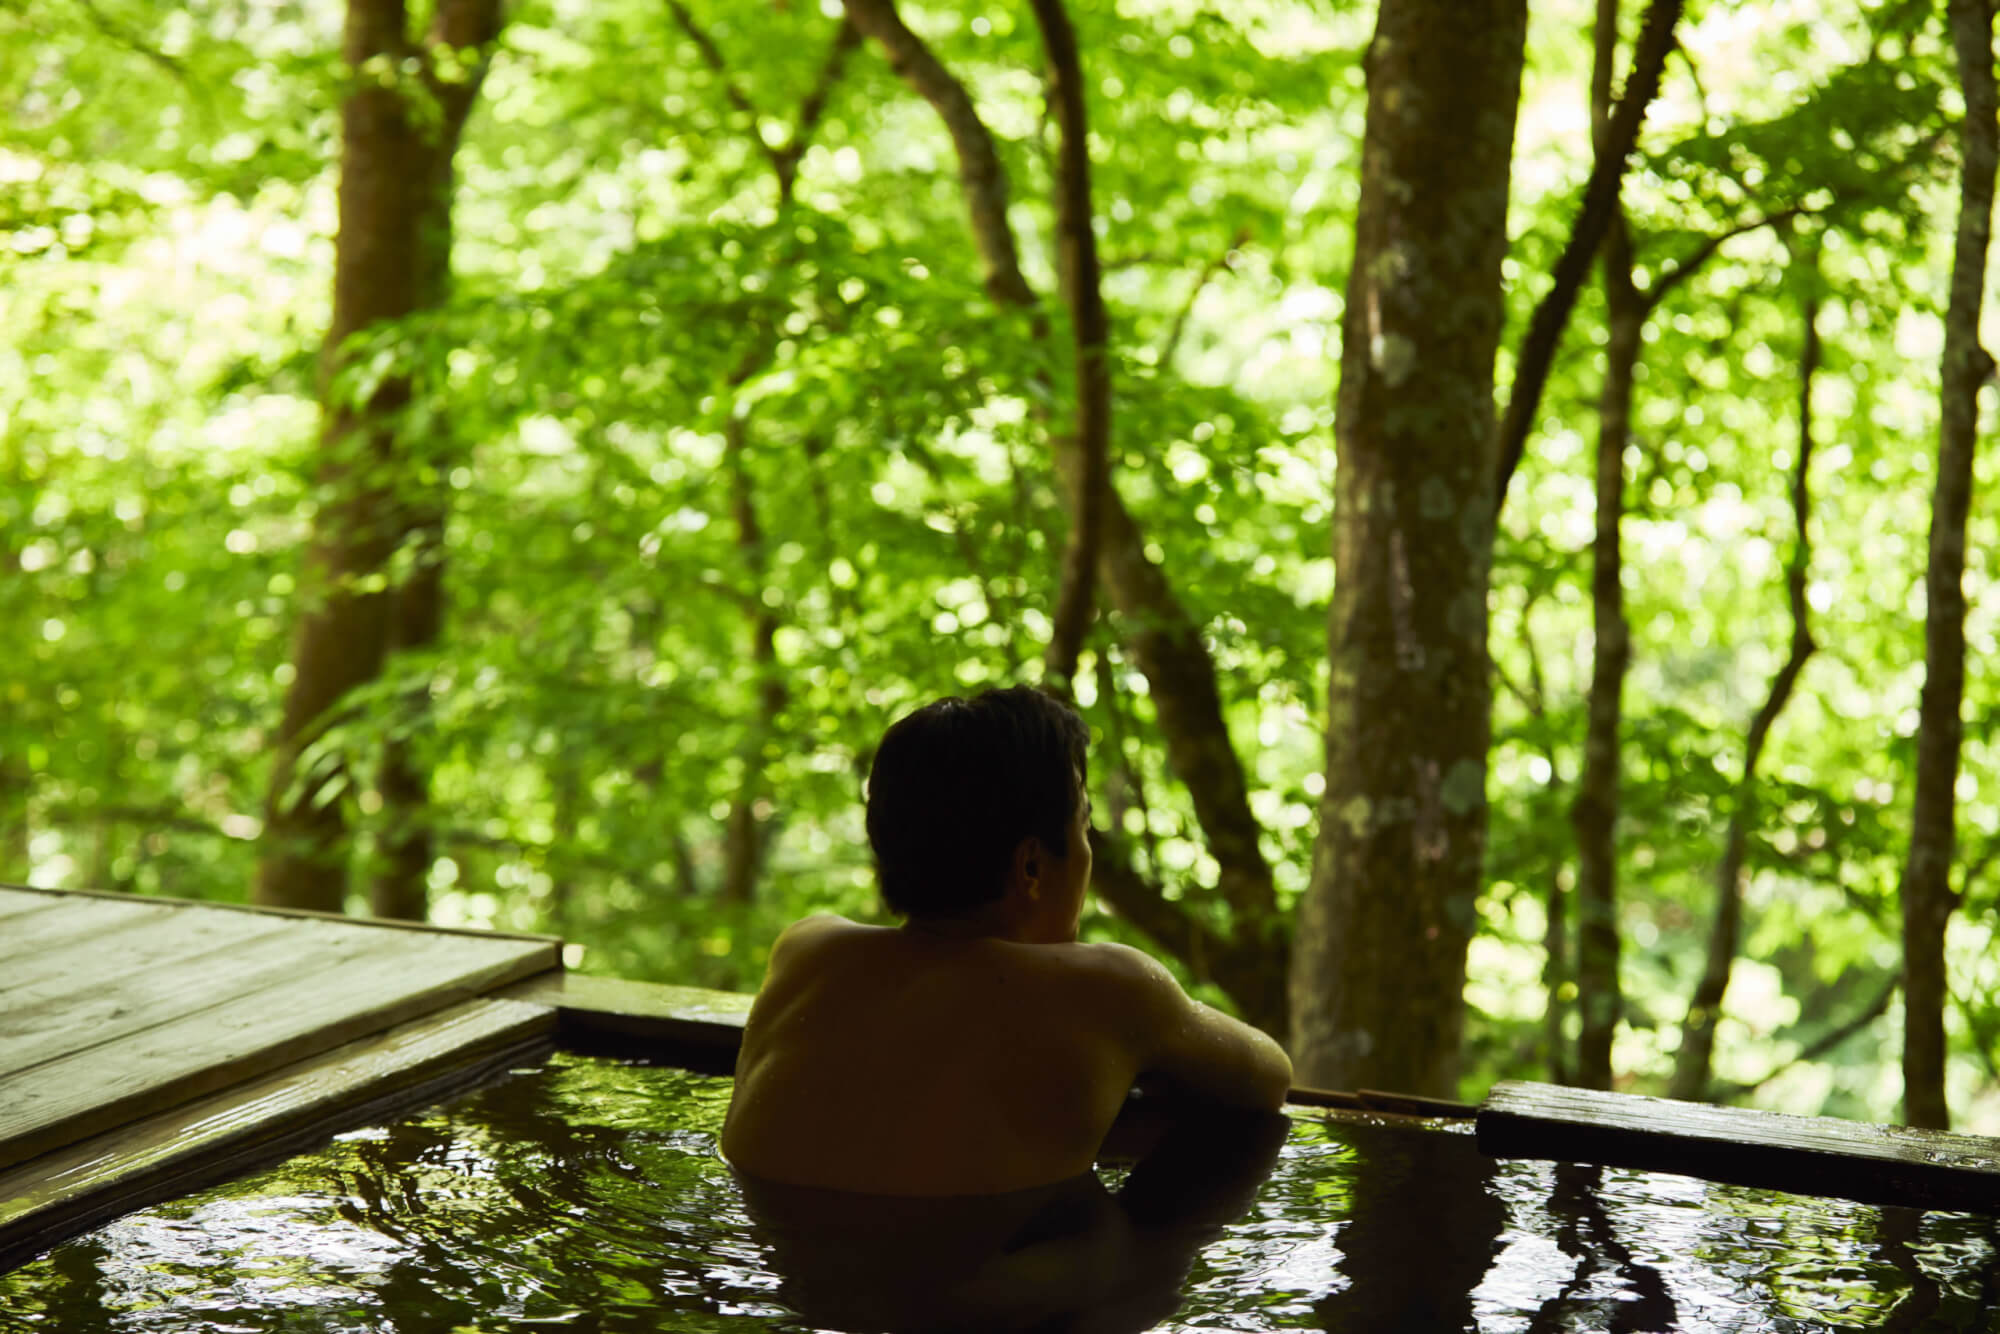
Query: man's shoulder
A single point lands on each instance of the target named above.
(809, 935)
(1119, 971)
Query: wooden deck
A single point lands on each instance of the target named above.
(149, 1045)
(1807, 1155)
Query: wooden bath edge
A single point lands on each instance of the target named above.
(262, 1120)
(1802, 1155)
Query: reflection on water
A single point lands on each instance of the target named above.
(587, 1196)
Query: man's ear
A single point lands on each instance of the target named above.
(1030, 859)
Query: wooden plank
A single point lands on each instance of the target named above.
(56, 1196)
(67, 922)
(397, 977)
(690, 1026)
(303, 914)
(231, 958)
(14, 901)
(1807, 1155)
(131, 946)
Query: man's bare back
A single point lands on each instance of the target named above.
(979, 1048)
(888, 1061)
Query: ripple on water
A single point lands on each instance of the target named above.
(588, 1195)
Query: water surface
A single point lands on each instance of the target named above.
(586, 1195)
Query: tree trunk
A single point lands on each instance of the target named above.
(746, 833)
(343, 627)
(383, 270)
(403, 856)
(1616, 135)
(1694, 1063)
(1927, 896)
(403, 861)
(1076, 249)
(17, 780)
(1379, 969)
(1555, 976)
(1594, 812)
(743, 841)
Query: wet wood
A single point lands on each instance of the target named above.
(1806, 1155)
(689, 1026)
(281, 1113)
(337, 983)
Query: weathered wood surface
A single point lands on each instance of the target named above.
(13, 893)
(47, 928)
(142, 943)
(1806, 1155)
(60, 1194)
(99, 1028)
(55, 1007)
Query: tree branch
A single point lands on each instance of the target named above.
(812, 107)
(981, 176)
(1076, 248)
(1222, 261)
(1600, 201)
(784, 160)
(130, 41)
(711, 55)
(1825, 1043)
(1688, 267)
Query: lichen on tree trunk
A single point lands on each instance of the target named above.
(1379, 963)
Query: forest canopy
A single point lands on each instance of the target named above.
(508, 464)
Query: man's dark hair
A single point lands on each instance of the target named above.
(958, 784)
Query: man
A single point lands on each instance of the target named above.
(979, 1048)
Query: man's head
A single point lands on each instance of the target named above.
(968, 795)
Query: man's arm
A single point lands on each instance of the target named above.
(1201, 1049)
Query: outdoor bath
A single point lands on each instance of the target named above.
(585, 1193)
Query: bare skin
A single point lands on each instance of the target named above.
(971, 1056)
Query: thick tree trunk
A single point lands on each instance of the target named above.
(394, 200)
(1379, 971)
(343, 628)
(1695, 1061)
(407, 847)
(1927, 895)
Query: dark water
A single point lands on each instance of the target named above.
(587, 1196)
